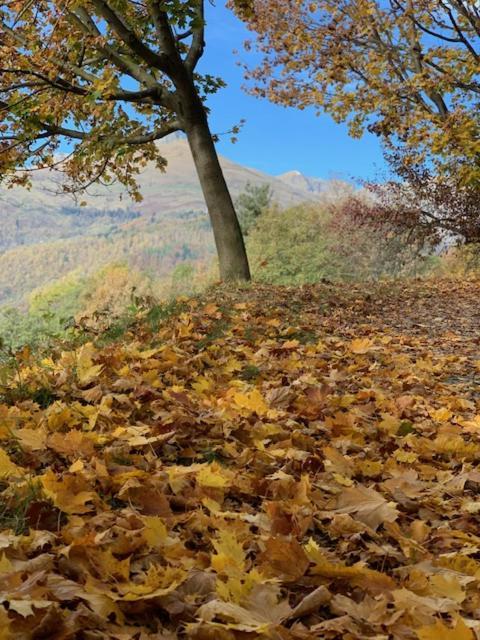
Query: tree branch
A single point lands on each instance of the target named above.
(124, 63)
(156, 134)
(143, 95)
(117, 25)
(198, 41)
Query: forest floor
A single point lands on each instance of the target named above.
(262, 463)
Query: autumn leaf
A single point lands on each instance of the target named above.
(7, 467)
(304, 503)
(230, 558)
(360, 346)
(252, 401)
(367, 505)
(87, 371)
(284, 558)
(440, 631)
(67, 494)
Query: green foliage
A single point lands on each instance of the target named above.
(15, 513)
(250, 205)
(105, 304)
(292, 247)
(49, 314)
(308, 243)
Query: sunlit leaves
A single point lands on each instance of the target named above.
(86, 89)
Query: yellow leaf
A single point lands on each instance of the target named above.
(67, 494)
(359, 576)
(343, 480)
(408, 457)
(230, 556)
(459, 563)
(5, 626)
(108, 566)
(213, 476)
(32, 439)
(5, 564)
(360, 346)
(25, 607)
(86, 370)
(202, 384)
(9, 468)
(369, 468)
(158, 582)
(441, 415)
(440, 631)
(155, 532)
(77, 466)
(448, 586)
(252, 401)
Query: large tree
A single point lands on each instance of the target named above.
(408, 70)
(89, 86)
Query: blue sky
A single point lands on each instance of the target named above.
(276, 139)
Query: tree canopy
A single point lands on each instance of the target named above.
(97, 74)
(409, 71)
(99, 82)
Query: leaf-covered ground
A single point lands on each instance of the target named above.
(268, 463)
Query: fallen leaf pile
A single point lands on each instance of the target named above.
(269, 463)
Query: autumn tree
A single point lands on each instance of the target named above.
(406, 70)
(90, 86)
(434, 210)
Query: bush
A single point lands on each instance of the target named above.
(308, 243)
(251, 204)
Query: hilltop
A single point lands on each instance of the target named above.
(255, 463)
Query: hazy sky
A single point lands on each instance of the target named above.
(275, 139)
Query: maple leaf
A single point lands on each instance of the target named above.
(32, 439)
(260, 613)
(356, 574)
(26, 606)
(9, 468)
(230, 557)
(360, 346)
(175, 497)
(439, 631)
(213, 476)
(251, 401)
(5, 625)
(284, 559)
(155, 532)
(67, 494)
(87, 371)
(367, 505)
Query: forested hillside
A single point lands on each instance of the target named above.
(45, 234)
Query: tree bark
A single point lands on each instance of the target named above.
(232, 256)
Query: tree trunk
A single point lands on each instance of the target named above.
(232, 256)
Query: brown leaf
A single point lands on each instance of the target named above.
(366, 505)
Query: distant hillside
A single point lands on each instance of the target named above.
(45, 234)
(43, 213)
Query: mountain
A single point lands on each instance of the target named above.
(44, 213)
(45, 234)
(298, 181)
